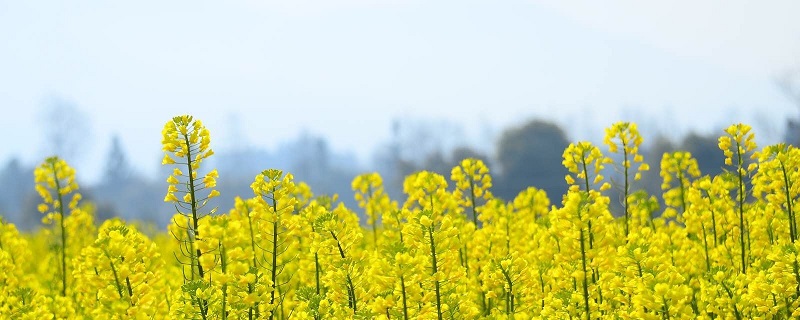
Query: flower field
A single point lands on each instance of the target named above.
(708, 247)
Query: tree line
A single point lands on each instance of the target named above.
(529, 154)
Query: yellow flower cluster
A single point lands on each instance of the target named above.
(55, 179)
(623, 137)
(472, 181)
(677, 171)
(188, 140)
(18, 300)
(120, 275)
(579, 158)
(724, 247)
(739, 141)
(55, 182)
(370, 195)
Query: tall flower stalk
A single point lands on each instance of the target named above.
(273, 212)
(186, 143)
(55, 182)
(584, 162)
(624, 138)
(736, 145)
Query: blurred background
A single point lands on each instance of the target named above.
(331, 89)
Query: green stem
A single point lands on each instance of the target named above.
(435, 270)
(472, 201)
(462, 255)
(373, 218)
(195, 220)
(250, 309)
(403, 290)
(509, 293)
(541, 283)
(351, 292)
(317, 270)
(705, 246)
(252, 235)
(200, 303)
(739, 170)
(255, 260)
(586, 179)
(792, 222)
(63, 231)
(130, 288)
(169, 303)
(625, 191)
(713, 219)
(274, 265)
(224, 265)
(194, 234)
(116, 277)
(317, 267)
(583, 265)
(730, 295)
(682, 182)
(796, 269)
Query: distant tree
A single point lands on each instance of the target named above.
(531, 155)
(704, 148)
(792, 133)
(124, 192)
(11, 178)
(653, 152)
(415, 145)
(388, 161)
(110, 202)
(17, 184)
(118, 169)
(789, 83)
(438, 162)
(463, 152)
(312, 161)
(67, 129)
(30, 218)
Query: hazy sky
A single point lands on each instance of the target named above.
(345, 68)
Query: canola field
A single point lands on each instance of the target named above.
(720, 247)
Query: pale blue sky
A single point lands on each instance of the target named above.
(345, 68)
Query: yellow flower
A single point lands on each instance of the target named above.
(186, 138)
(71, 225)
(583, 160)
(370, 195)
(167, 160)
(425, 221)
(677, 171)
(739, 141)
(472, 181)
(172, 180)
